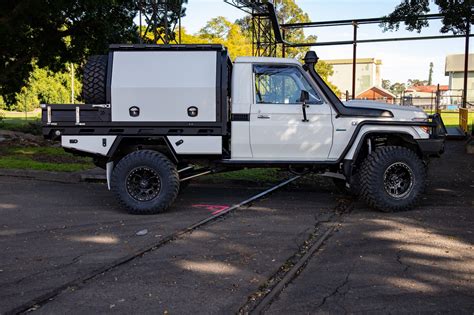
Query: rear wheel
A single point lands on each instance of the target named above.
(392, 179)
(145, 182)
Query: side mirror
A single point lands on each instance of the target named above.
(304, 96)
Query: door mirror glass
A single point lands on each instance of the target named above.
(304, 97)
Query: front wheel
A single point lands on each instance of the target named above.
(392, 179)
(145, 182)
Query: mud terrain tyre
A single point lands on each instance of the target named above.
(392, 179)
(94, 81)
(145, 182)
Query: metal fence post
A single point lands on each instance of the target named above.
(466, 63)
(438, 94)
(354, 60)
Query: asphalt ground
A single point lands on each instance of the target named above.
(52, 233)
(415, 261)
(419, 261)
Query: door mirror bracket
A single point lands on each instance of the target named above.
(303, 99)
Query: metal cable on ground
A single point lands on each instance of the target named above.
(262, 303)
(45, 298)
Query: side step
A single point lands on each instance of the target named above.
(455, 133)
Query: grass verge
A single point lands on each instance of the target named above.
(42, 159)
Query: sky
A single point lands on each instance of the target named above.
(401, 60)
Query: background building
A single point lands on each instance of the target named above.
(424, 96)
(454, 68)
(376, 93)
(367, 74)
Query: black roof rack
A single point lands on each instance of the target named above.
(116, 47)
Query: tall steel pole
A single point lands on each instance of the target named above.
(72, 84)
(466, 63)
(179, 28)
(354, 61)
(140, 19)
(283, 47)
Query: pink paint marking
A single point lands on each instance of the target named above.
(214, 208)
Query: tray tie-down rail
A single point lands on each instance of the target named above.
(49, 111)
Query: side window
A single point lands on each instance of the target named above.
(282, 85)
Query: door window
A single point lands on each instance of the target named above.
(282, 85)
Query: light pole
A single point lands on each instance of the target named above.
(25, 107)
(72, 84)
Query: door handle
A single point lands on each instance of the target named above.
(263, 117)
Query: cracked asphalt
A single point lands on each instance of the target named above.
(415, 261)
(409, 262)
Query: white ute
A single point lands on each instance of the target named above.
(153, 112)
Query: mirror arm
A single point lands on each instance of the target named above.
(305, 118)
(304, 97)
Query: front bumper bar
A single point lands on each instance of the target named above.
(434, 146)
(431, 147)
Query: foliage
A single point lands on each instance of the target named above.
(54, 33)
(417, 82)
(325, 71)
(386, 84)
(217, 28)
(34, 64)
(398, 88)
(45, 86)
(289, 12)
(430, 75)
(220, 30)
(2, 103)
(456, 15)
(163, 30)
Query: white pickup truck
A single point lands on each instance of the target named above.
(154, 112)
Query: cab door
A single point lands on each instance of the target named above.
(277, 129)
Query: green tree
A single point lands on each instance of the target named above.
(289, 12)
(164, 31)
(53, 33)
(217, 28)
(398, 88)
(386, 84)
(45, 86)
(220, 30)
(417, 82)
(430, 75)
(457, 15)
(2, 103)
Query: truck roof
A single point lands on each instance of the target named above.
(271, 60)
